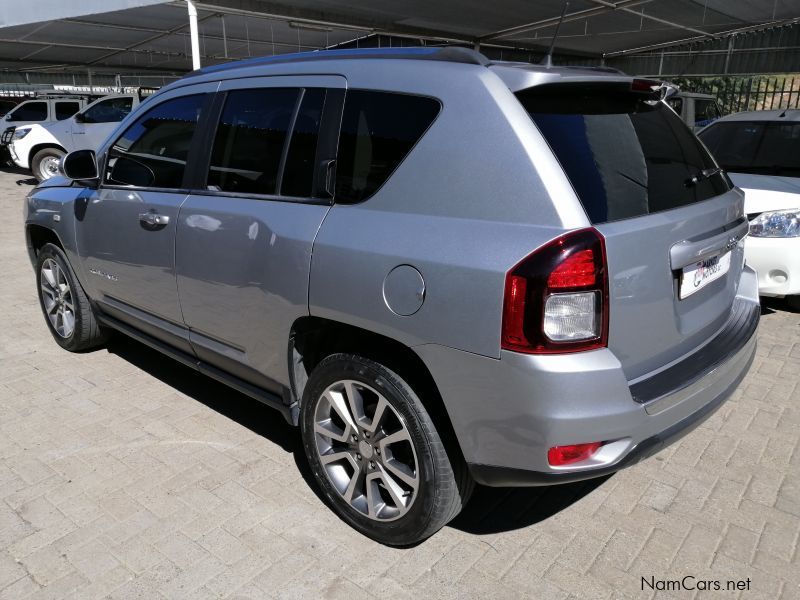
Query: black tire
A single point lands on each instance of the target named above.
(86, 332)
(444, 482)
(39, 159)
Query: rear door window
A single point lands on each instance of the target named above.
(64, 110)
(378, 130)
(250, 138)
(759, 147)
(625, 153)
(153, 151)
(30, 112)
(298, 174)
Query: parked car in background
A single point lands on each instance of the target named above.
(761, 152)
(40, 148)
(443, 270)
(43, 110)
(40, 111)
(695, 109)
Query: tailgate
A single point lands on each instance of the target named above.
(668, 214)
(650, 325)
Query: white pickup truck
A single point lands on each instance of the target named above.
(40, 148)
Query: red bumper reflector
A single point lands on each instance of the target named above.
(566, 455)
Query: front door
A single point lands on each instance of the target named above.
(245, 236)
(126, 228)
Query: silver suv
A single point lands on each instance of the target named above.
(444, 270)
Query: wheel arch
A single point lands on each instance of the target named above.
(37, 236)
(38, 147)
(313, 338)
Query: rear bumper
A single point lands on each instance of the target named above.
(777, 261)
(507, 413)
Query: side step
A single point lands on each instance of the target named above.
(290, 412)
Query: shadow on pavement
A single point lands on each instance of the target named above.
(249, 413)
(494, 510)
(491, 510)
(13, 169)
(772, 305)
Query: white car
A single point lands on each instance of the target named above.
(42, 111)
(761, 152)
(40, 148)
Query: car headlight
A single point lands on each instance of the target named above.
(20, 133)
(776, 223)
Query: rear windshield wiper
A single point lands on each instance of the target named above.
(704, 174)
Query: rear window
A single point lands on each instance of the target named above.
(760, 147)
(378, 130)
(625, 154)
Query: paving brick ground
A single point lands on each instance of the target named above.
(123, 474)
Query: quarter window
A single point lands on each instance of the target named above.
(250, 139)
(378, 130)
(152, 152)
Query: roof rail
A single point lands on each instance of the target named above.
(455, 54)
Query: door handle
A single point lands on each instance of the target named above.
(153, 219)
(687, 252)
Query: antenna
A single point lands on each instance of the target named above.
(547, 61)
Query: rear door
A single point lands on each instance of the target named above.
(672, 224)
(245, 232)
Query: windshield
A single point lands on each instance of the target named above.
(625, 153)
(759, 147)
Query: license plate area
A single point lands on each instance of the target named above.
(698, 275)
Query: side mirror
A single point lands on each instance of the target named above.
(80, 165)
(79, 118)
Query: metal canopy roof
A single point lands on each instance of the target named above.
(155, 38)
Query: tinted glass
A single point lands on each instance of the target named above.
(378, 131)
(65, 110)
(5, 106)
(152, 152)
(249, 142)
(676, 104)
(625, 154)
(112, 110)
(705, 112)
(761, 147)
(298, 174)
(30, 111)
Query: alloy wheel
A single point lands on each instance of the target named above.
(57, 298)
(366, 450)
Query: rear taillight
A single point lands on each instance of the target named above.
(556, 299)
